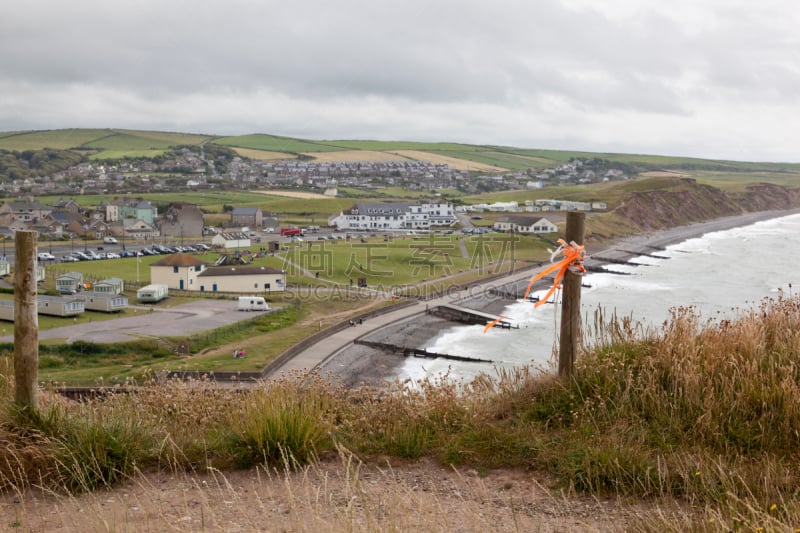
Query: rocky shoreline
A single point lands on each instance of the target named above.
(358, 364)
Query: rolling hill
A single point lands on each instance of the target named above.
(121, 143)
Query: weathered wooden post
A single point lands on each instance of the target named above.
(26, 321)
(571, 301)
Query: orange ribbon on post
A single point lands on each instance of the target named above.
(573, 259)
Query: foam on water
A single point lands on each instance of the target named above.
(720, 274)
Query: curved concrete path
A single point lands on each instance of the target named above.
(316, 354)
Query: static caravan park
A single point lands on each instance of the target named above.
(62, 306)
(7, 310)
(69, 283)
(103, 301)
(110, 286)
(152, 293)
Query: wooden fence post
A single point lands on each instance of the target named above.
(571, 301)
(26, 321)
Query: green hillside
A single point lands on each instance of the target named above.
(99, 141)
(119, 143)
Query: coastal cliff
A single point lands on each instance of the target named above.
(687, 202)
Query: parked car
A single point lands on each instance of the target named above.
(127, 253)
(69, 259)
(81, 256)
(112, 255)
(45, 256)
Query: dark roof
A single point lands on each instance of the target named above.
(239, 271)
(245, 210)
(381, 208)
(180, 260)
(520, 220)
(234, 236)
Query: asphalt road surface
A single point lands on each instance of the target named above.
(147, 322)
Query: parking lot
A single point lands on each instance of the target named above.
(147, 322)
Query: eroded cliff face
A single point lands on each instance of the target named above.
(689, 201)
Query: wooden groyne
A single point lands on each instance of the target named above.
(655, 256)
(619, 261)
(465, 315)
(418, 352)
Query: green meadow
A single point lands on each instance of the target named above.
(100, 140)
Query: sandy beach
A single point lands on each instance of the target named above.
(358, 364)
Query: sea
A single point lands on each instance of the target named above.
(720, 274)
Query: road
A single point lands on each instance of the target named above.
(149, 322)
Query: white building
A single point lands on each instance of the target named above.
(230, 240)
(395, 216)
(245, 279)
(186, 272)
(520, 224)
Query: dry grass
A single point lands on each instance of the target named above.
(337, 494)
(700, 419)
(263, 155)
(294, 194)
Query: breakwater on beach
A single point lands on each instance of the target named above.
(709, 266)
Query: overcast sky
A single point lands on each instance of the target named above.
(704, 78)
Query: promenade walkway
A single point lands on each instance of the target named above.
(318, 353)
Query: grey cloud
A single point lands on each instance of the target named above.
(445, 70)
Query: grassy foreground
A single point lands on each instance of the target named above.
(702, 413)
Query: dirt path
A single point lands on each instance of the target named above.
(335, 495)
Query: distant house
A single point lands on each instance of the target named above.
(98, 229)
(521, 224)
(138, 229)
(181, 220)
(244, 279)
(28, 211)
(69, 204)
(247, 216)
(228, 240)
(177, 271)
(138, 210)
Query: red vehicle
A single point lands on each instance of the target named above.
(291, 232)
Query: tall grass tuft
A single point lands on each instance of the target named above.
(282, 424)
